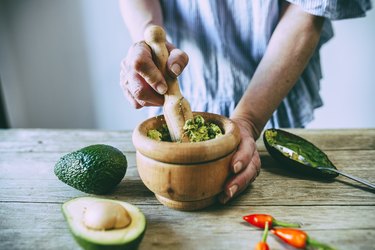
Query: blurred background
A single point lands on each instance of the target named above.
(60, 60)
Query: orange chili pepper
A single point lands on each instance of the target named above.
(298, 239)
(262, 245)
(294, 237)
(259, 220)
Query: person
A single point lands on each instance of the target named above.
(256, 62)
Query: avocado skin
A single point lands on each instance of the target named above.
(95, 169)
(93, 246)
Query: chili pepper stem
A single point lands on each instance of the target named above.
(318, 245)
(265, 233)
(285, 224)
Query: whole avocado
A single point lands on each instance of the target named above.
(95, 169)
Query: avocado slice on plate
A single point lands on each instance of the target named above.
(104, 223)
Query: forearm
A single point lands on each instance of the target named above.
(289, 50)
(138, 14)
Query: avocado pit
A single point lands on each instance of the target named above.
(105, 215)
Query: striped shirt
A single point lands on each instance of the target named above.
(226, 40)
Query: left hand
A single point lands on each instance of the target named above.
(245, 163)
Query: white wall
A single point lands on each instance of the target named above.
(59, 64)
(348, 85)
(44, 59)
(107, 42)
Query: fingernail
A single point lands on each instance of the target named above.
(176, 69)
(237, 167)
(224, 199)
(161, 88)
(232, 190)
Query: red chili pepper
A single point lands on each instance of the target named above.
(298, 239)
(259, 220)
(262, 245)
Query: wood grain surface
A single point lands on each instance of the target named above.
(340, 213)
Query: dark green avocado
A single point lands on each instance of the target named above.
(95, 169)
(129, 237)
(297, 154)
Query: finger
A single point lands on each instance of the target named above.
(177, 61)
(239, 182)
(131, 99)
(143, 93)
(245, 177)
(123, 84)
(136, 89)
(136, 103)
(140, 60)
(243, 155)
(135, 84)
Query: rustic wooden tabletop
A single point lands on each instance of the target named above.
(340, 213)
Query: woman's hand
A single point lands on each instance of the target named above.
(245, 163)
(142, 82)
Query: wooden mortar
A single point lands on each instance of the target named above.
(185, 176)
(176, 108)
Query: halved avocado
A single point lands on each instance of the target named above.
(297, 154)
(127, 237)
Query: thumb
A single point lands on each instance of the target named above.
(177, 62)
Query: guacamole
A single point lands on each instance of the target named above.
(197, 129)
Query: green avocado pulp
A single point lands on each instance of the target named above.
(197, 129)
(312, 155)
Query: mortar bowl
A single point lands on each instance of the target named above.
(185, 176)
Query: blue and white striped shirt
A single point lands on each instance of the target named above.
(226, 40)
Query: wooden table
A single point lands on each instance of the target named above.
(340, 213)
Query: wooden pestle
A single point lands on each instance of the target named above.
(176, 108)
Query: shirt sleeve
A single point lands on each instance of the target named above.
(335, 9)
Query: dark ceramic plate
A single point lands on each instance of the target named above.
(297, 154)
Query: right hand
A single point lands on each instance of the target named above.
(142, 82)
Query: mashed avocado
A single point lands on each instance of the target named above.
(160, 134)
(196, 129)
(298, 148)
(199, 130)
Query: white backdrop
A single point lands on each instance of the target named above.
(59, 65)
